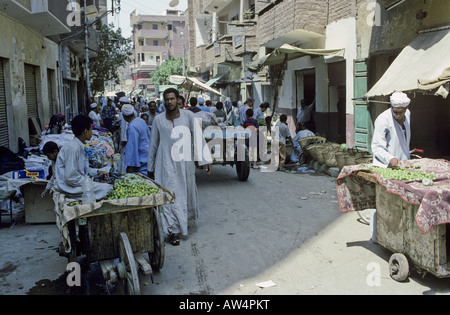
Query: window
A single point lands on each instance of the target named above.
(143, 57)
(155, 26)
(155, 42)
(169, 27)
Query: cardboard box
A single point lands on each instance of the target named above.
(37, 209)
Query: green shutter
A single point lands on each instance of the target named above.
(363, 122)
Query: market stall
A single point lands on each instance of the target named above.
(412, 211)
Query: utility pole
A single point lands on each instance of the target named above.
(86, 38)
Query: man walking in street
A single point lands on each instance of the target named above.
(172, 165)
(138, 136)
(108, 114)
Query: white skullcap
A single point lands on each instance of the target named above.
(400, 99)
(128, 110)
(201, 100)
(93, 105)
(124, 100)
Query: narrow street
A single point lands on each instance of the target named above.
(279, 226)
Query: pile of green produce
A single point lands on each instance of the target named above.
(401, 174)
(131, 185)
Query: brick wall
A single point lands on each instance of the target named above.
(284, 16)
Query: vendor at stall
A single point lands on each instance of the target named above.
(51, 150)
(392, 133)
(72, 165)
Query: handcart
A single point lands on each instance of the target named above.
(124, 228)
(398, 231)
(234, 150)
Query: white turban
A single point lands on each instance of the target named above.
(400, 99)
(201, 100)
(124, 100)
(128, 110)
(93, 105)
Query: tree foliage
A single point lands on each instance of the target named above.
(173, 66)
(113, 52)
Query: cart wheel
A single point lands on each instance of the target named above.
(398, 267)
(243, 167)
(127, 267)
(156, 257)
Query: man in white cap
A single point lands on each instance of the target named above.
(201, 104)
(138, 142)
(95, 114)
(123, 131)
(392, 133)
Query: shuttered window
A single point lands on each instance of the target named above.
(31, 91)
(4, 136)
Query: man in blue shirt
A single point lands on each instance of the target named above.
(138, 142)
(201, 104)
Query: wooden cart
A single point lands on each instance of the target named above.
(398, 232)
(126, 233)
(128, 229)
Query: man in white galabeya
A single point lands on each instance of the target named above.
(392, 133)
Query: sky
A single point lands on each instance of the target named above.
(147, 7)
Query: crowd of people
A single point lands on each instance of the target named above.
(147, 139)
(146, 146)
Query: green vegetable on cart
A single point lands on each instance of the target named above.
(131, 185)
(400, 174)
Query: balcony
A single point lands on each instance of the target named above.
(152, 34)
(222, 52)
(216, 5)
(38, 15)
(244, 38)
(162, 49)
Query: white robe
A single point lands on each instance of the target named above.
(389, 139)
(95, 117)
(173, 172)
(71, 167)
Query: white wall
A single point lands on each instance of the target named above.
(342, 34)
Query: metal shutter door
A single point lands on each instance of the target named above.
(4, 136)
(50, 91)
(30, 90)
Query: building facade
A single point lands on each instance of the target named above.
(42, 64)
(227, 36)
(156, 38)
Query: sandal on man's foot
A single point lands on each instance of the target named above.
(174, 240)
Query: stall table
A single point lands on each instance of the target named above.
(412, 220)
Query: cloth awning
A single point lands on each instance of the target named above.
(192, 84)
(215, 79)
(279, 54)
(422, 65)
(137, 92)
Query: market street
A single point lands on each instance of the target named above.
(280, 226)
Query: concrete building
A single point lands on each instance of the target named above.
(28, 68)
(369, 34)
(41, 64)
(156, 38)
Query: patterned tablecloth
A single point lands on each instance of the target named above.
(357, 192)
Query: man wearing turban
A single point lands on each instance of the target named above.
(392, 133)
